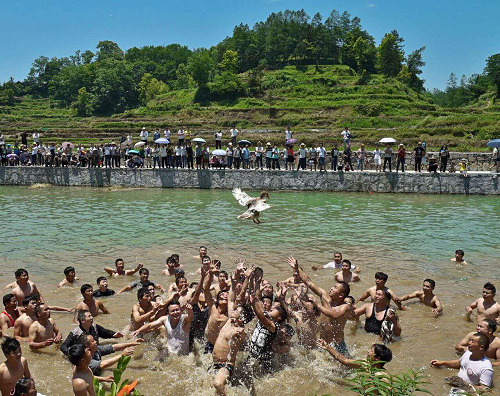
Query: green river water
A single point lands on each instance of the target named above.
(410, 237)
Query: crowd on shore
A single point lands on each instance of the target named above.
(226, 313)
(159, 151)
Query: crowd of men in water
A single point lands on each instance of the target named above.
(226, 313)
(158, 150)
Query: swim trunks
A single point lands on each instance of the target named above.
(209, 347)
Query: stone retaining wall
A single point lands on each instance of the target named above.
(425, 183)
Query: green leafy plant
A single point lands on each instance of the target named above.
(370, 381)
(116, 387)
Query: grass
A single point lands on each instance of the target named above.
(301, 97)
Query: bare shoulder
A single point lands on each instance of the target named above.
(79, 384)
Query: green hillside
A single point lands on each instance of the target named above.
(316, 103)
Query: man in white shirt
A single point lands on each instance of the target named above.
(166, 133)
(312, 157)
(346, 134)
(302, 157)
(234, 135)
(34, 152)
(321, 157)
(36, 137)
(180, 135)
(476, 371)
(218, 140)
(107, 156)
(496, 158)
(288, 134)
(144, 135)
(259, 152)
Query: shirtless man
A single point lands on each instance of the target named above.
(170, 271)
(144, 311)
(120, 270)
(23, 323)
(303, 311)
(202, 252)
(10, 314)
(142, 282)
(380, 281)
(89, 303)
(346, 275)
(459, 257)
(23, 287)
(334, 311)
(488, 328)
(218, 313)
(336, 263)
(223, 283)
(228, 343)
(427, 297)
(487, 307)
(14, 368)
(70, 277)
(43, 332)
(82, 376)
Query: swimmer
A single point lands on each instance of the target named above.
(69, 273)
(82, 381)
(23, 287)
(427, 297)
(102, 291)
(380, 281)
(10, 314)
(14, 368)
(170, 264)
(89, 303)
(142, 282)
(223, 283)
(23, 323)
(120, 270)
(346, 275)
(459, 257)
(203, 251)
(336, 263)
(43, 332)
(488, 328)
(487, 307)
(144, 311)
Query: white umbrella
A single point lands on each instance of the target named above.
(387, 140)
(219, 152)
(162, 141)
(199, 140)
(139, 144)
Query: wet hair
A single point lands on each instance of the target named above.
(177, 280)
(351, 298)
(225, 274)
(81, 315)
(483, 340)
(338, 253)
(382, 353)
(381, 276)
(175, 256)
(217, 263)
(23, 386)
(19, 272)
(83, 339)
(282, 312)
(173, 302)
(492, 326)
(141, 292)
(117, 260)
(347, 262)
(270, 298)
(38, 309)
(216, 302)
(67, 270)
(346, 288)
(203, 247)
(28, 299)
(170, 260)
(10, 345)
(143, 270)
(247, 313)
(388, 295)
(85, 287)
(76, 353)
(431, 282)
(460, 252)
(101, 278)
(490, 286)
(206, 258)
(7, 298)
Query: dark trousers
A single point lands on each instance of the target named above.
(401, 161)
(230, 162)
(178, 161)
(276, 163)
(156, 161)
(107, 161)
(237, 162)
(190, 163)
(418, 164)
(335, 161)
(268, 163)
(444, 162)
(302, 163)
(218, 144)
(164, 162)
(233, 140)
(259, 161)
(170, 161)
(117, 160)
(33, 159)
(388, 160)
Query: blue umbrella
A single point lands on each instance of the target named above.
(493, 143)
(162, 141)
(133, 152)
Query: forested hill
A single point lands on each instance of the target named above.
(291, 69)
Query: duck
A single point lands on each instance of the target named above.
(254, 205)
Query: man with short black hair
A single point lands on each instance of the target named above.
(487, 307)
(44, 331)
(488, 328)
(10, 314)
(427, 296)
(23, 323)
(378, 354)
(142, 282)
(120, 268)
(103, 291)
(380, 281)
(83, 380)
(14, 368)
(89, 303)
(70, 277)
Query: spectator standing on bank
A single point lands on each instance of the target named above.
(178, 158)
(444, 154)
(290, 159)
(36, 137)
(107, 156)
(418, 152)
(170, 156)
(148, 157)
(496, 158)
(206, 156)
(259, 152)
(189, 155)
(275, 158)
(166, 133)
(388, 157)
(288, 134)
(218, 140)
(335, 157)
(198, 152)
(234, 135)
(24, 138)
(163, 156)
(269, 155)
(156, 135)
(401, 158)
(245, 154)
(180, 135)
(229, 155)
(183, 156)
(361, 154)
(144, 135)
(237, 157)
(155, 153)
(313, 160)
(322, 157)
(346, 134)
(348, 158)
(302, 157)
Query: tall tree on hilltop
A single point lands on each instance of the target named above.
(109, 50)
(492, 70)
(390, 55)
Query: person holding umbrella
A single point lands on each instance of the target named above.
(388, 157)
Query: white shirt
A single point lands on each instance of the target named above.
(178, 151)
(218, 135)
(258, 151)
(180, 132)
(312, 152)
(495, 153)
(144, 135)
(476, 372)
(345, 134)
(36, 137)
(303, 153)
(376, 154)
(288, 134)
(234, 132)
(167, 133)
(177, 338)
(321, 152)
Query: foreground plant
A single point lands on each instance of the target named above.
(117, 389)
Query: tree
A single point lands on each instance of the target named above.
(200, 66)
(182, 77)
(492, 70)
(87, 57)
(83, 104)
(149, 88)
(414, 64)
(390, 55)
(229, 62)
(108, 50)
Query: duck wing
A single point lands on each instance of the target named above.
(242, 197)
(260, 206)
(249, 214)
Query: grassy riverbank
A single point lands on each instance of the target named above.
(316, 104)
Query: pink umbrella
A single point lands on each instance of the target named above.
(66, 144)
(291, 141)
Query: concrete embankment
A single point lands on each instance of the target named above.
(476, 183)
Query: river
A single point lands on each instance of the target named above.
(410, 237)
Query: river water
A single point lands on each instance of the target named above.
(410, 237)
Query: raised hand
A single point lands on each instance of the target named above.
(292, 262)
(240, 264)
(321, 343)
(129, 351)
(118, 334)
(249, 271)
